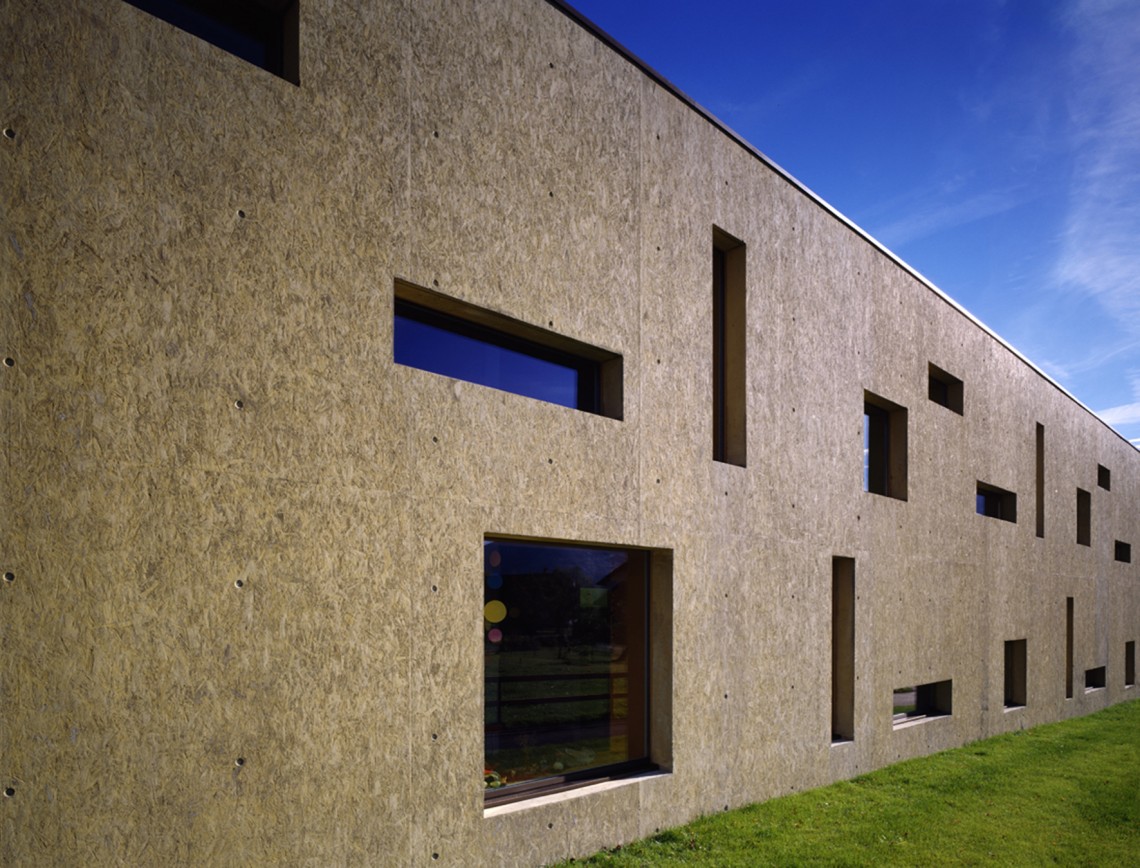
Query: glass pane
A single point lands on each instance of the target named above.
(564, 649)
(442, 351)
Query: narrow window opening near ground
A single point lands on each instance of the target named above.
(1015, 672)
(922, 702)
(1094, 679)
(1129, 664)
(842, 649)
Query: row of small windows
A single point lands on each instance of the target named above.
(885, 463)
(920, 702)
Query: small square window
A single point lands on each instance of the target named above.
(1103, 477)
(945, 389)
(1123, 552)
(996, 502)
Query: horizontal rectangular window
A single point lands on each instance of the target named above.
(1094, 679)
(571, 650)
(945, 389)
(446, 336)
(996, 502)
(262, 32)
(922, 702)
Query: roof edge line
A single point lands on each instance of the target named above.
(613, 44)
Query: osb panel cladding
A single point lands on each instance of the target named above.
(237, 530)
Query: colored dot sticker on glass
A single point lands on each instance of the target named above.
(494, 581)
(496, 558)
(495, 635)
(494, 612)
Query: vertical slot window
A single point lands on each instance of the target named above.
(454, 339)
(945, 389)
(1040, 485)
(729, 350)
(1068, 647)
(1014, 692)
(1084, 518)
(842, 649)
(1129, 664)
(262, 32)
(884, 447)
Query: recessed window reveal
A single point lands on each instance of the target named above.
(566, 632)
(454, 339)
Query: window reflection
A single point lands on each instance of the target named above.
(565, 651)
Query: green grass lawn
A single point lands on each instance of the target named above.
(1065, 793)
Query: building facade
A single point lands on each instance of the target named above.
(431, 439)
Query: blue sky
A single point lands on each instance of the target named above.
(993, 146)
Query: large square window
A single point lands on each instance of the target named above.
(572, 647)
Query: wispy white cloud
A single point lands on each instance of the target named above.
(1125, 414)
(940, 213)
(1100, 252)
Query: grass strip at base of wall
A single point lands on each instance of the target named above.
(1064, 793)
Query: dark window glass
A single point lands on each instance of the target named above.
(447, 345)
(565, 646)
(263, 32)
